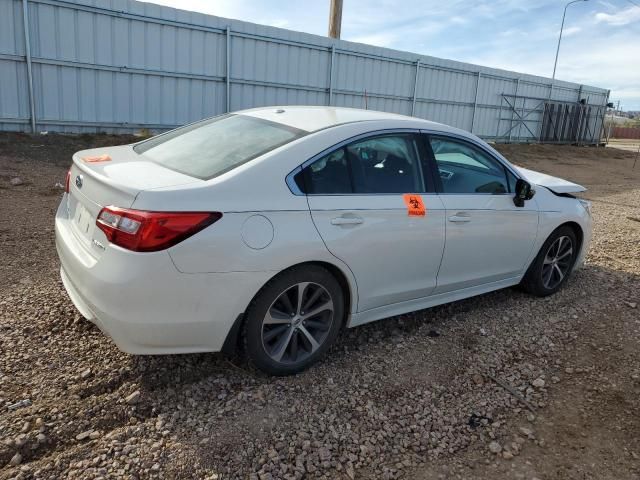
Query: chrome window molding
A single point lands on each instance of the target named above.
(293, 187)
(479, 193)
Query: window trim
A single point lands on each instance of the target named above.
(422, 152)
(471, 143)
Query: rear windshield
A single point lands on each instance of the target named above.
(214, 146)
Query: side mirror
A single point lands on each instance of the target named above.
(524, 191)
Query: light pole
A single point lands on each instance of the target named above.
(555, 64)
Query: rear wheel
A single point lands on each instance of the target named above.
(294, 320)
(554, 263)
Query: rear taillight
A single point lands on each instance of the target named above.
(66, 182)
(142, 231)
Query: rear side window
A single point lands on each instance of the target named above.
(379, 165)
(330, 174)
(212, 147)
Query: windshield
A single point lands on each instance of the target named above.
(214, 146)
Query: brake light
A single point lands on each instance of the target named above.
(67, 181)
(143, 231)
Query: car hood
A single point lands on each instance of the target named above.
(555, 184)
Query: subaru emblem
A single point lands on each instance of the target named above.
(79, 181)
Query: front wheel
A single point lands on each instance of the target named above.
(294, 320)
(554, 263)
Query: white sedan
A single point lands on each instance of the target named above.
(275, 228)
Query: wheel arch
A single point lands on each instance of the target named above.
(577, 229)
(342, 279)
(347, 284)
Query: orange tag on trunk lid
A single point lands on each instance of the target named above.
(415, 205)
(97, 159)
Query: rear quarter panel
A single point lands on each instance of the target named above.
(226, 246)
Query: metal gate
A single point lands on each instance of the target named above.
(541, 119)
(567, 123)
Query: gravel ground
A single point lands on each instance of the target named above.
(499, 386)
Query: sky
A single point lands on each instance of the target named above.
(600, 44)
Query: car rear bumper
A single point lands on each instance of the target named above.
(144, 303)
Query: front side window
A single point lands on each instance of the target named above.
(466, 169)
(214, 146)
(385, 164)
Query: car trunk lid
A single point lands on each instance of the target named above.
(111, 176)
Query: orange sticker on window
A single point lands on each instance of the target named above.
(415, 206)
(97, 159)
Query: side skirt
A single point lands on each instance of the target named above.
(386, 311)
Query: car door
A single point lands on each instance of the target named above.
(488, 238)
(366, 199)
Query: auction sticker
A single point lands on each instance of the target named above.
(415, 205)
(97, 159)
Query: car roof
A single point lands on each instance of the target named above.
(313, 118)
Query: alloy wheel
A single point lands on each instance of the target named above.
(557, 262)
(297, 322)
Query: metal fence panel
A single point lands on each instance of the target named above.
(625, 132)
(14, 100)
(122, 65)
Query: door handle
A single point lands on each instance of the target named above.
(460, 217)
(347, 221)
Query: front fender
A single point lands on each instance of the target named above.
(555, 211)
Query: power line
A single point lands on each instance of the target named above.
(634, 3)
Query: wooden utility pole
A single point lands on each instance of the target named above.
(335, 18)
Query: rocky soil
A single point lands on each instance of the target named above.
(499, 386)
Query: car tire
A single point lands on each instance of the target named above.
(280, 337)
(553, 264)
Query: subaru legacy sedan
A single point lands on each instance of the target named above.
(271, 230)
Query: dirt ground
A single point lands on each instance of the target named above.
(625, 144)
(421, 396)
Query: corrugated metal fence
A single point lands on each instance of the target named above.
(626, 132)
(121, 65)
